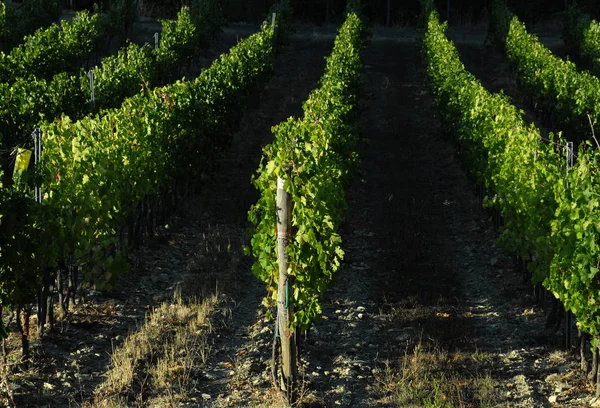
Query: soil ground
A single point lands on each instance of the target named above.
(425, 309)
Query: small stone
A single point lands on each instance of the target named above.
(361, 315)
(361, 309)
(552, 399)
(206, 397)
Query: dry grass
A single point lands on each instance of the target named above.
(154, 365)
(433, 378)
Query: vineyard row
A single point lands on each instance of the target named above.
(549, 204)
(96, 173)
(310, 162)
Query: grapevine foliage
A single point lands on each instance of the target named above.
(318, 149)
(554, 84)
(120, 17)
(119, 76)
(96, 170)
(58, 48)
(499, 24)
(178, 42)
(574, 277)
(581, 35)
(2, 17)
(284, 13)
(27, 100)
(208, 17)
(24, 18)
(519, 173)
(550, 215)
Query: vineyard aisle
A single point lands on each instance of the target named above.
(426, 301)
(425, 307)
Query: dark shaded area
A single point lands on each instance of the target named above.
(331, 11)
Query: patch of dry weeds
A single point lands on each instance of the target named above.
(427, 376)
(158, 363)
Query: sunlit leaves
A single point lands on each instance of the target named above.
(318, 152)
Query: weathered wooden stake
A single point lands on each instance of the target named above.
(597, 375)
(594, 370)
(582, 345)
(284, 306)
(568, 324)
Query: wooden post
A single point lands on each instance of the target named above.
(284, 306)
(596, 371)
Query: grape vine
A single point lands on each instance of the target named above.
(58, 48)
(550, 213)
(319, 151)
(96, 173)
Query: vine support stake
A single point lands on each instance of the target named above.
(92, 91)
(570, 157)
(596, 350)
(37, 156)
(284, 305)
(592, 126)
(156, 40)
